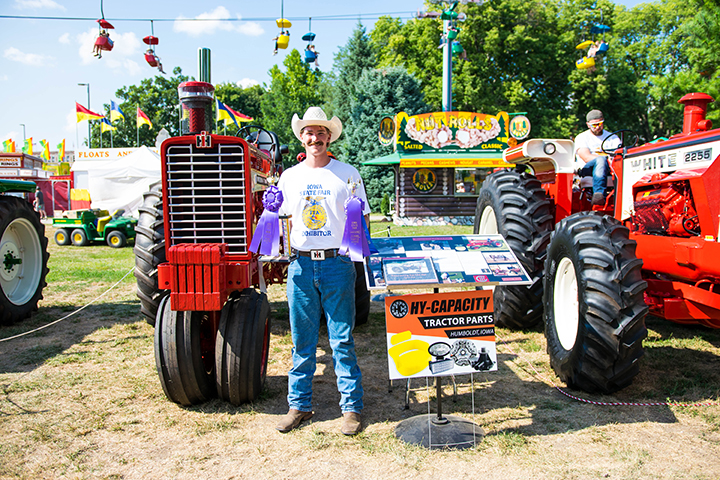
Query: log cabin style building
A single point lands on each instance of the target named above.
(441, 159)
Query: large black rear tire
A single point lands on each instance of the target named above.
(594, 307)
(242, 346)
(23, 259)
(185, 370)
(149, 252)
(514, 205)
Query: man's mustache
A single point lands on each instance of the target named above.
(319, 143)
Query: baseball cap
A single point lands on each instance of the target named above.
(594, 115)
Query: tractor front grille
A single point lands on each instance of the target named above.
(207, 196)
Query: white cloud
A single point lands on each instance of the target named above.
(4, 78)
(32, 59)
(247, 82)
(14, 136)
(205, 23)
(250, 29)
(23, 4)
(209, 22)
(64, 38)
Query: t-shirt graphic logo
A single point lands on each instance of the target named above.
(314, 215)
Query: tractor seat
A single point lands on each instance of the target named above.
(102, 221)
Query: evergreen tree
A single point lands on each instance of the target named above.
(350, 63)
(379, 93)
(290, 92)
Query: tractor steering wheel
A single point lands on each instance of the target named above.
(622, 135)
(260, 137)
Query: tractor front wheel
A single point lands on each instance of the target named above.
(182, 357)
(149, 252)
(594, 308)
(514, 205)
(242, 346)
(23, 259)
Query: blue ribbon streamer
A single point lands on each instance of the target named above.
(356, 237)
(267, 232)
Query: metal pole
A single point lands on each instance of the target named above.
(87, 85)
(24, 137)
(447, 70)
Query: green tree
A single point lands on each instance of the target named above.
(243, 100)
(290, 92)
(379, 93)
(158, 98)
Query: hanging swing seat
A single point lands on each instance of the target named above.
(104, 43)
(308, 37)
(152, 59)
(310, 56)
(585, 63)
(457, 48)
(283, 40)
(151, 40)
(584, 45)
(603, 47)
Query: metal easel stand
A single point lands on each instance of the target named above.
(440, 431)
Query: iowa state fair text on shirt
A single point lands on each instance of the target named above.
(314, 190)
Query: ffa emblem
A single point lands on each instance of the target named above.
(314, 215)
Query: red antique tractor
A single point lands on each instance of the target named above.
(198, 282)
(597, 271)
(196, 277)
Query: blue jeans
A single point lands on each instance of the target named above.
(329, 283)
(599, 168)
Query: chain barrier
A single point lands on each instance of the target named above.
(549, 381)
(69, 314)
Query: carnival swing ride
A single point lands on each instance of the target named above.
(595, 47)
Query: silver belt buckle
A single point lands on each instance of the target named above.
(317, 254)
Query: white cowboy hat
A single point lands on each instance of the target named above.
(316, 116)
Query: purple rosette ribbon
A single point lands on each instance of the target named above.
(267, 232)
(356, 237)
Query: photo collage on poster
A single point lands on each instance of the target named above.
(443, 260)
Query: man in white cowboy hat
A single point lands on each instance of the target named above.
(320, 279)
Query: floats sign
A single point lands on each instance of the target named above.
(452, 131)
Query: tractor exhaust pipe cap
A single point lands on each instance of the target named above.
(694, 115)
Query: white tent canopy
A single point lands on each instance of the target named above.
(120, 183)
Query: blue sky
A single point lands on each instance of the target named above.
(42, 61)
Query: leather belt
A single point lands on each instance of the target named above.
(319, 254)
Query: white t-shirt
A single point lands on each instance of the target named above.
(315, 197)
(593, 142)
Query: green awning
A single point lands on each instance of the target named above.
(440, 160)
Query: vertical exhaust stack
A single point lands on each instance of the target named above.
(694, 116)
(196, 99)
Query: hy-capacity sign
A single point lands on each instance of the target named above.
(440, 334)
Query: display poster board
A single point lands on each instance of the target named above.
(442, 261)
(440, 334)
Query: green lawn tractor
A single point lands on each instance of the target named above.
(23, 253)
(95, 226)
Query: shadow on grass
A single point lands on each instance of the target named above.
(25, 353)
(682, 371)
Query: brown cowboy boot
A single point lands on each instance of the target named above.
(292, 420)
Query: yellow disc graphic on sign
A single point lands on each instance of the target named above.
(424, 180)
